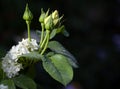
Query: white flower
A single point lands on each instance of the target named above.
(30, 45)
(9, 63)
(2, 86)
(10, 66)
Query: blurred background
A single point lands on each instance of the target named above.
(94, 38)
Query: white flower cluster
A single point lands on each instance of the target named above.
(2, 86)
(9, 63)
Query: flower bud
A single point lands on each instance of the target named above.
(42, 16)
(55, 17)
(48, 22)
(28, 16)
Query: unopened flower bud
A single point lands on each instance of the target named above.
(28, 16)
(55, 17)
(42, 16)
(48, 22)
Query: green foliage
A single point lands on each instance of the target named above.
(49, 54)
(30, 58)
(54, 66)
(9, 83)
(53, 33)
(58, 48)
(24, 82)
(58, 30)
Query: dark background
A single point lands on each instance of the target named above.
(94, 38)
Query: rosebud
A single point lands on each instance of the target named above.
(42, 16)
(27, 14)
(55, 17)
(48, 22)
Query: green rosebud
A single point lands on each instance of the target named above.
(42, 16)
(28, 16)
(55, 17)
(48, 22)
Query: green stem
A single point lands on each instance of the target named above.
(42, 34)
(43, 42)
(46, 44)
(28, 28)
